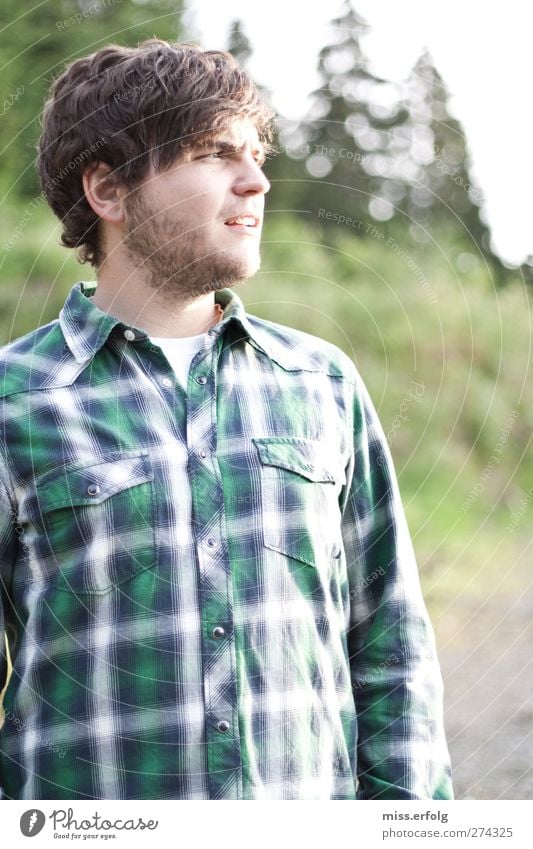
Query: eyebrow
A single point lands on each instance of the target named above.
(232, 147)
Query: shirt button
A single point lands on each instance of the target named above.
(202, 453)
(223, 726)
(211, 542)
(166, 381)
(93, 489)
(218, 632)
(202, 380)
(129, 335)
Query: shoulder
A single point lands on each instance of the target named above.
(296, 350)
(27, 363)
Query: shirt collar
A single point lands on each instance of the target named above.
(86, 328)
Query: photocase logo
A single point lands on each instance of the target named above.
(32, 822)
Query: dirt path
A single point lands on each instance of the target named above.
(486, 654)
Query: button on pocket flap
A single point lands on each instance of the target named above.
(91, 523)
(306, 457)
(91, 483)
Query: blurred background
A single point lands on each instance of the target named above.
(398, 227)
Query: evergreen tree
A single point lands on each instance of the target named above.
(375, 151)
(341, 150)
(441, 191)
(239, 43)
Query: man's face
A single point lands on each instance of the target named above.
(180, 224)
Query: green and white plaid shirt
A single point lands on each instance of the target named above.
(210, 594)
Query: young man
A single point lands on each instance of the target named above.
(208, 586)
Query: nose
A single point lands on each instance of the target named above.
(251, 179)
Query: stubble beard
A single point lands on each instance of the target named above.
(178, 267)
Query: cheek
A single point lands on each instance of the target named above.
(208, 197)
(193, 200)
(197, 207)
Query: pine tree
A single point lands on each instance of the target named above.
(441, 190)
(341, 150)
(238, 43)
(440, 194)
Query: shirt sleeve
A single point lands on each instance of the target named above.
(396, 680)
(7, 554)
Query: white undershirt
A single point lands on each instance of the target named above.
(180, 353)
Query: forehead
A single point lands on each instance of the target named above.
(239, 132)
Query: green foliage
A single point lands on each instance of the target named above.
(37, 43)
(445, 356)
(36, 272)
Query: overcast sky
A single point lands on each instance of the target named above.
(481, 48)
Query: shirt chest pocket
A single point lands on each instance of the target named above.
(91, 525)
(300, 485)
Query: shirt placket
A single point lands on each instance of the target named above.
(214, 580)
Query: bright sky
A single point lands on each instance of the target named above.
(481, 49)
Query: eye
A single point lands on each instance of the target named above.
(215, 153)
(225, 152)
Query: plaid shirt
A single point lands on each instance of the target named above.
(208, 594)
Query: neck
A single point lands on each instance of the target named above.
(141, 306)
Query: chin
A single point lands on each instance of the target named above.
(236, 269)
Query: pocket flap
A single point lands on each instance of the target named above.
(306, 457)
(83, 484)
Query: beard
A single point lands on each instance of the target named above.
(176, 261)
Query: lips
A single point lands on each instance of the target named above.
(245, 220)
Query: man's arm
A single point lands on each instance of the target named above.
(8, 546)
(7, 553)
(396, 679)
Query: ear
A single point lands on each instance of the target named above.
(103, 192)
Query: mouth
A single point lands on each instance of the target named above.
(244, 223)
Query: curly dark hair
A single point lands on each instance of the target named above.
(133, 107)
